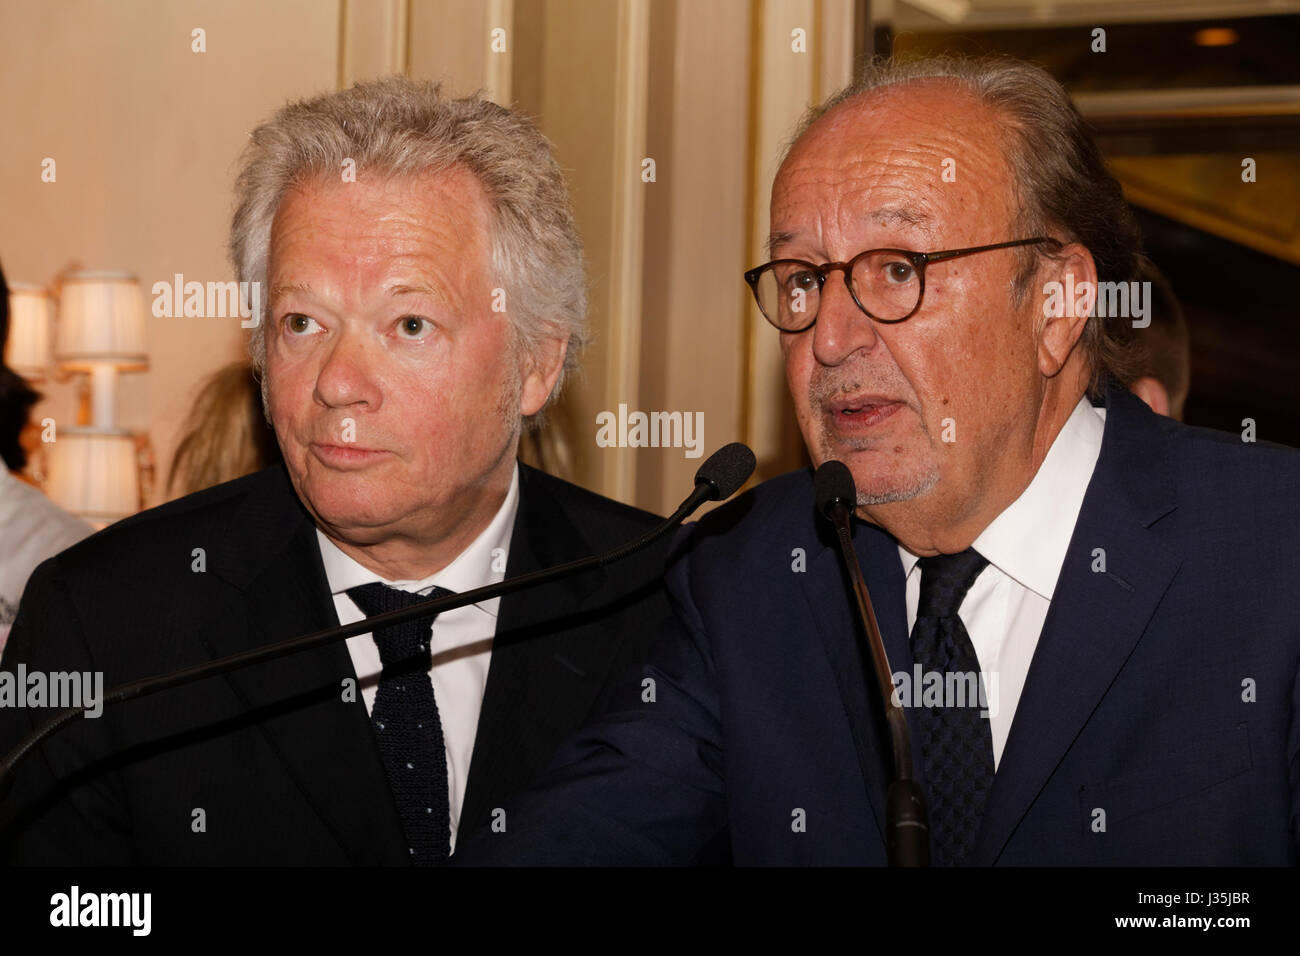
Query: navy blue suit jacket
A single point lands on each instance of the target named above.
(1158, 723)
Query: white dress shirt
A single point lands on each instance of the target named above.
(32, 528)
(1025, 545)
(461, 643)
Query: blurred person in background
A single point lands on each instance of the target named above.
(225, 436)
(1165, 377)
(32, 528)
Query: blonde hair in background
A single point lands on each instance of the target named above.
(225, 435)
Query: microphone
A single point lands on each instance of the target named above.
(717, 479)
(907, 827)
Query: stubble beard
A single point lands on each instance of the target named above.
(820, 390)
(911, 486)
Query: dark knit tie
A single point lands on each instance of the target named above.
(406, 724)
(956, 742)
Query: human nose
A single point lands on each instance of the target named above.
(842, 328)
(347, 376)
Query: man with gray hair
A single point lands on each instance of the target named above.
(1087, 608)
(424, 299)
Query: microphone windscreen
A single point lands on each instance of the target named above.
(834, 482)
(727, 469)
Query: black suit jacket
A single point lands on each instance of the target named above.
(269, 764)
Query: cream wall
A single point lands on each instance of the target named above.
(146, 135)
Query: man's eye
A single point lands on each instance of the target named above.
(299, 324)
(412, 326)
(899, 271)
(801, 279)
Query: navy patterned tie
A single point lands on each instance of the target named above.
(956, 742)
(406, 724)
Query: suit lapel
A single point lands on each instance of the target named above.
(830, 602)
(325, 743)
(547, 668)
(1096, 617)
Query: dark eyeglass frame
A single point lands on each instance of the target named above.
(919, 261)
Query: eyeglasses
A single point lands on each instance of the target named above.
(886, 284)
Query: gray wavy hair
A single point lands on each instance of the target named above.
(1062, 185)
(395, 126)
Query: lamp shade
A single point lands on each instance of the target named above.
(101, 320)
(94, 473)
(28, 349)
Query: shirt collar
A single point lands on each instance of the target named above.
(1027, 542)
(474, 567)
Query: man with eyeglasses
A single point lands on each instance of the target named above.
(1115, 583)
